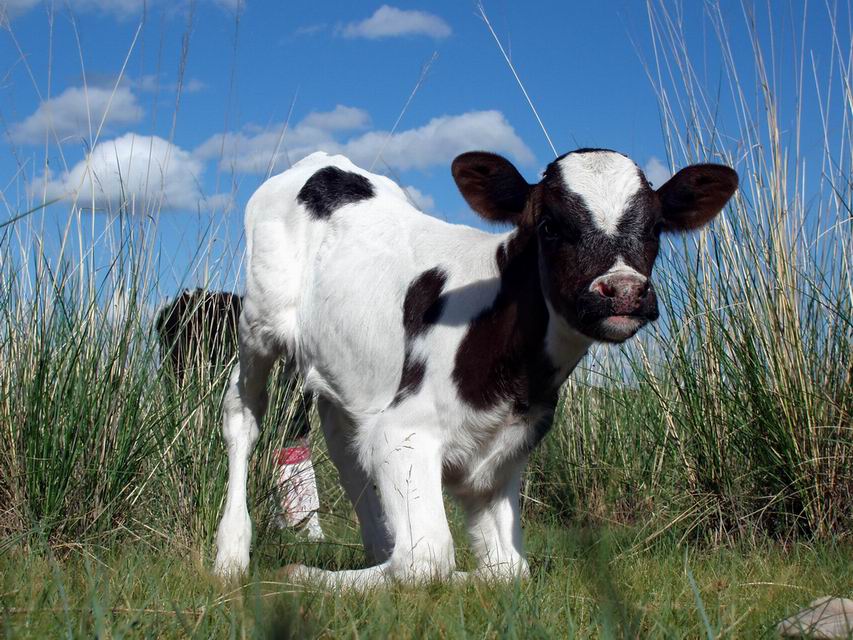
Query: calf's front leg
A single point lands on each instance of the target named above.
(494, 526)
(405, 464)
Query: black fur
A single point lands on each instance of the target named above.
(331, 188)
(502, 356)
(421, 310)
(198, 326)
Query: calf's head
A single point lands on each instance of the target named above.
(597, 222)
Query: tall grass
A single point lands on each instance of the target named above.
(97, 437)
(740, 421)
(731, 419)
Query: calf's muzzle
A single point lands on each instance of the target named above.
(627, 295)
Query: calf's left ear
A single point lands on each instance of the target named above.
(694, 195)
(491, 185)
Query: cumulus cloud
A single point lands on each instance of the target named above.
(256, 149)
(12, 8)
(70, 113)
(341, 118)
(421, 200)
(152, 82)
(140, 173)
(656, 172)
(390, 22)
(439, 141)
(145, 83)
(435, 143)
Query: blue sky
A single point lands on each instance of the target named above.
(343, 72)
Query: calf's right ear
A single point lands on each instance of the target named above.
(491, 185)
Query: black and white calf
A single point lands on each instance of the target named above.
(437, 350)
(198, 328)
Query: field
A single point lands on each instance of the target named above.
(698, 481)
(586, 583)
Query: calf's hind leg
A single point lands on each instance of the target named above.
(243, 410)
(338, 431)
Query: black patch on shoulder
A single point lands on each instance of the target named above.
(502, 356)
(501, 257)
(544, 423)
(421, 310)
(411, 379)
(331, 188)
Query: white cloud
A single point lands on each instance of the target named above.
(12, 8)
(255, 149)
(152, 82)
(656, 172)
(341, 118)
(116, 8)
(145, 174)
(70, 113)
(439, 141)
(224, 202)
(436, 143)
(389, 22)
(421, 200)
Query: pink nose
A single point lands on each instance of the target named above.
(626, 291)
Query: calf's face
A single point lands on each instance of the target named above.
(597, 222)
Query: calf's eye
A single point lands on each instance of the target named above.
(548, 231)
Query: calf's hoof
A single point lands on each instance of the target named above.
(230, 565)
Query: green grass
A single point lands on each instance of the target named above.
(585, 583)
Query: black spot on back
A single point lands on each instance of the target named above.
(421, 310)
(331, 188)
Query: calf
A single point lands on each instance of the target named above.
(198, 328)
(438, 350)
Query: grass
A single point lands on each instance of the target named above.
(696, 484)
(585, 583)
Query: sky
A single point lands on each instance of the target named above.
(183, 108)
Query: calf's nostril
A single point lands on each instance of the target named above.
(605, 289)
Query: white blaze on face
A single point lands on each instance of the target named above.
(605, 180)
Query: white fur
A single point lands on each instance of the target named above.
(605, 180)
(328, 295)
